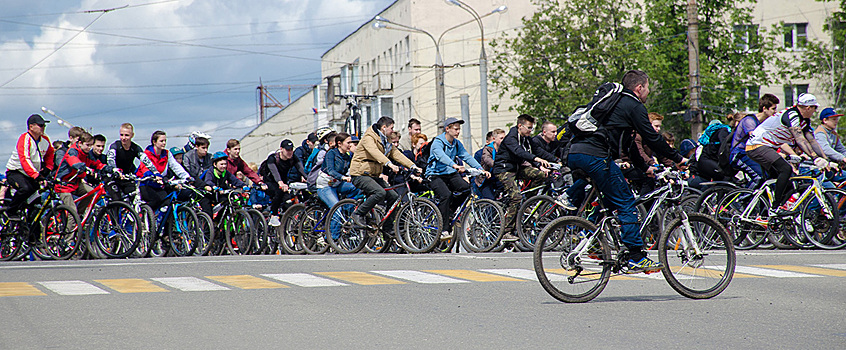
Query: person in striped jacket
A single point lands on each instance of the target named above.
(31, 161)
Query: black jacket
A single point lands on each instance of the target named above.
(274, 169)
(616, 134)
(513, 151)
(545, 150)
(302, 154)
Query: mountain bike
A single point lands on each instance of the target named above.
(47, 228)
(574, 258)
(234, 222)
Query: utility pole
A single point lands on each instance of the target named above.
(695, 88)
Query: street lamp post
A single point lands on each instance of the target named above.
(440, 101)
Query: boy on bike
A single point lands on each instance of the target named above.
(274, 171)
(595, 155)
(444, 174)
(72, 171)
(218, 178)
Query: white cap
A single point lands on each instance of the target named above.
(807, 100)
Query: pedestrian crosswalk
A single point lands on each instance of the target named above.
(361, 278)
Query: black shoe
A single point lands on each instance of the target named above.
(359, 220)
(510, 237)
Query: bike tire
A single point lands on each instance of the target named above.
(419, 223)
(694, 275)
(183, 233)
(206, 235)
(556, 267)
(11, 241)
(148, 228)
(287, 231)
(481, 226)
(837, 240)
(533, 216)
(117, 230)
(312, 229)
(340, 231)
(708, 201)
(817, 225)
(61, 234)
(239, 233)
(260, 223)
(382, 242)
(745, 235)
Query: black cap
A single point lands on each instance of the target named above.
(312, 137)
(36, 119)
(286, 144)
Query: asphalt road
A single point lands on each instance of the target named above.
(784, 300)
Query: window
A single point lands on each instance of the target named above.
(748, 98)
(791, 92)
(795, 35)
(746, 36)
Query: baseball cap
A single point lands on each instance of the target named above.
(828, 113)
(686, 146)
(449, 121)
(286, 144)
(312, 137)
(807, 100)
(36, 119)
(354, 139)
(176, 150)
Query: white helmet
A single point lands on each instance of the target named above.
(196, 134)
(323, 132)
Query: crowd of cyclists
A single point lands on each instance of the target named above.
(384, 166)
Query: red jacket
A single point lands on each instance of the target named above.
(234, 166)
(31, 156)
(73, 168)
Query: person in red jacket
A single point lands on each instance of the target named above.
(73, 168)
(234, 163)
(30, 162)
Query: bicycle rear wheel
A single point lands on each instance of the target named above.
(747, 232)
(61, 234)
(117, 230)
(534, 215)
(698, 264)
(239, 232)
(287, 231)
(312, 229)
(260, 223)
(183, 233)
(568, 274)
(11, 242)
(148, 229)
(481, 226)
(837, 240)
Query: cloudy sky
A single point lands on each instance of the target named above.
(175, 65)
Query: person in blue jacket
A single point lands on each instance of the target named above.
(444, 174)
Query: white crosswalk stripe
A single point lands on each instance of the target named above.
(189, 284)
(524, 274)
(72, 288)
(304, 280)
(832, 266)
(419, 277)
(764, 272)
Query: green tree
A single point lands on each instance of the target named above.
(825, 60)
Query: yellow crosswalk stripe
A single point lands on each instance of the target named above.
(593, 277)
(474, 275)
(247, 282)
(11, 289)
(131, 285)
(362, 278)
(806, 269)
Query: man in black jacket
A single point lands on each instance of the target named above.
(274, 172)
(595, 154)
(545, 144)
(514, 158)
(302, 154)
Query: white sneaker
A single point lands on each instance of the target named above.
(445, 236)
(274, 221)
(564, 201)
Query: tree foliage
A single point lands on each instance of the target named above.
(569, 47)
(825, 60)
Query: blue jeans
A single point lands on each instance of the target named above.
(616, 194)
(742, 162)
(576, 192)
(329, 194)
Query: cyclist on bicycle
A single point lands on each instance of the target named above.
(515, 158)
(72, 170)
(274, 171)
(595, 154)
(792, 125)
(31, 161)
(374, 152)
(234, 163)
(197, 160)
(444, 174)
(122, 154)
(767, 106)
(192, 140)
(152, 191)
(333, 181)
(218, 177)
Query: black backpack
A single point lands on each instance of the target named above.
(724, 155)
(719, 149)
(587, 119)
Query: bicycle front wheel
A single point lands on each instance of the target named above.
(481, 226)
(836, 239)
(418, 226)
(183, 233)
(287, 234)
(699, 262)
(11, 241)
(239, 232)
(340, 230)
(117, 230)
(572, 262)
(534, 215)
(205, 234)
(60, 232)
(148, 229)
(260, 223)
(312, 229)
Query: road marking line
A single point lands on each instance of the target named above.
(11, 289)
(72, 288)
(247, 282)
(807, 269)
(189, 284)
(832, 266)
(419, 276)
(764, 272)
(362, 278)
(131, 285)
(593, 277)
(304, 280)
(473, 275)
(524, 274)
